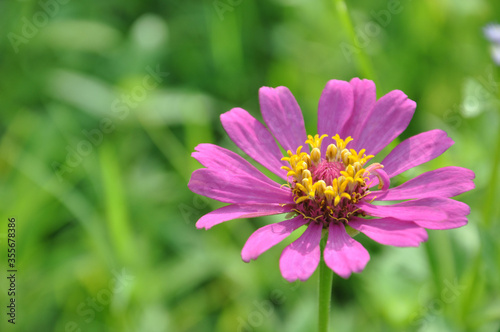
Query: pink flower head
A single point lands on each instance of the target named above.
(328, 180)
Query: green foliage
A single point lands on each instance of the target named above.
(103, 103)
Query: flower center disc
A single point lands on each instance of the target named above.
(326, 188)
(326, 171)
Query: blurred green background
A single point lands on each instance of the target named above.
(103, 102)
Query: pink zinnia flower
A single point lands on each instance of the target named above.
(328, 179)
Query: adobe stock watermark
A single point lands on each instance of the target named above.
(31, 26)
(89, 309)
(191, 213)
(428, 312)
(371, 29)
(263, 309)
(119, 111)
(223, 6)
(486, 90)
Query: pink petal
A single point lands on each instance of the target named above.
(268, 236)
(456, 214)
(300, 259)
(236, 211)
(389, 117)
(283, 116)
(390, 231)
(335, 108)
(254, 139)
(420, 209)
(415, 151)
(431, 212)
(365, 96)
(343, 254)
(217, 158)
(225, 186)
(444, 182)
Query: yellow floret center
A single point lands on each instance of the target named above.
(333, 178)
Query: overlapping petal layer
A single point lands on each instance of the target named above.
(228, 187)
(283, 116)
(219, 159)
(365, 97)
(334, 109)
(300, 259)
(342, 253)
(254, 139)
(430, 212)
(236, 211)
(268, 236)
(444, 182)
(390, 231)
(415, 151)
(387, 120)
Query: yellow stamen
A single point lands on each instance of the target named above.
(341, 144)
(320, 188)
(346, 186)
(331, 152)
(329, 194)
(345, 156)
(315, 156)
(301, 199)
(315, 142)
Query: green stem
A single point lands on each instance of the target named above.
(490, 196)
(362, 59)
(490, 199)
(325, 292)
